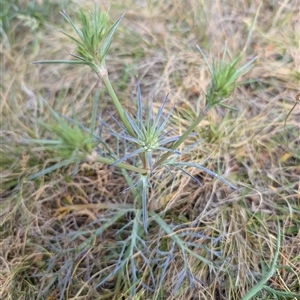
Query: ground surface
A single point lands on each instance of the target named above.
(49, 244)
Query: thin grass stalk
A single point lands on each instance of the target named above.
(252, 28)
(260, 285)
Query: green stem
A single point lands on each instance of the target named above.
(125, 166)
(196, 122)
(103, 75)
(94, 112)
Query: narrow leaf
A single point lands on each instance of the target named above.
(137, 151)
(69, 20)
(74, 39)
(140, 107)
(206, 61)
(52, 168)
(160, 112)
(107, 40)
(70, 62)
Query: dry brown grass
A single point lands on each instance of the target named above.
(250, 147)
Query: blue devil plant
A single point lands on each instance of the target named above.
(148, 143)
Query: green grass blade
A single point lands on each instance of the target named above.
(287, 295)
(73, 39)
(252, 27)
(260, 285)
(206, 61)
(107, 40)
(40, 141)
(59, 61)
(69, 20)
(50, 169)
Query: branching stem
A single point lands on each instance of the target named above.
(103, 75)
(125, 166)
(196, 122)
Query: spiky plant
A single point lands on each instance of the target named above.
(152, 148)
